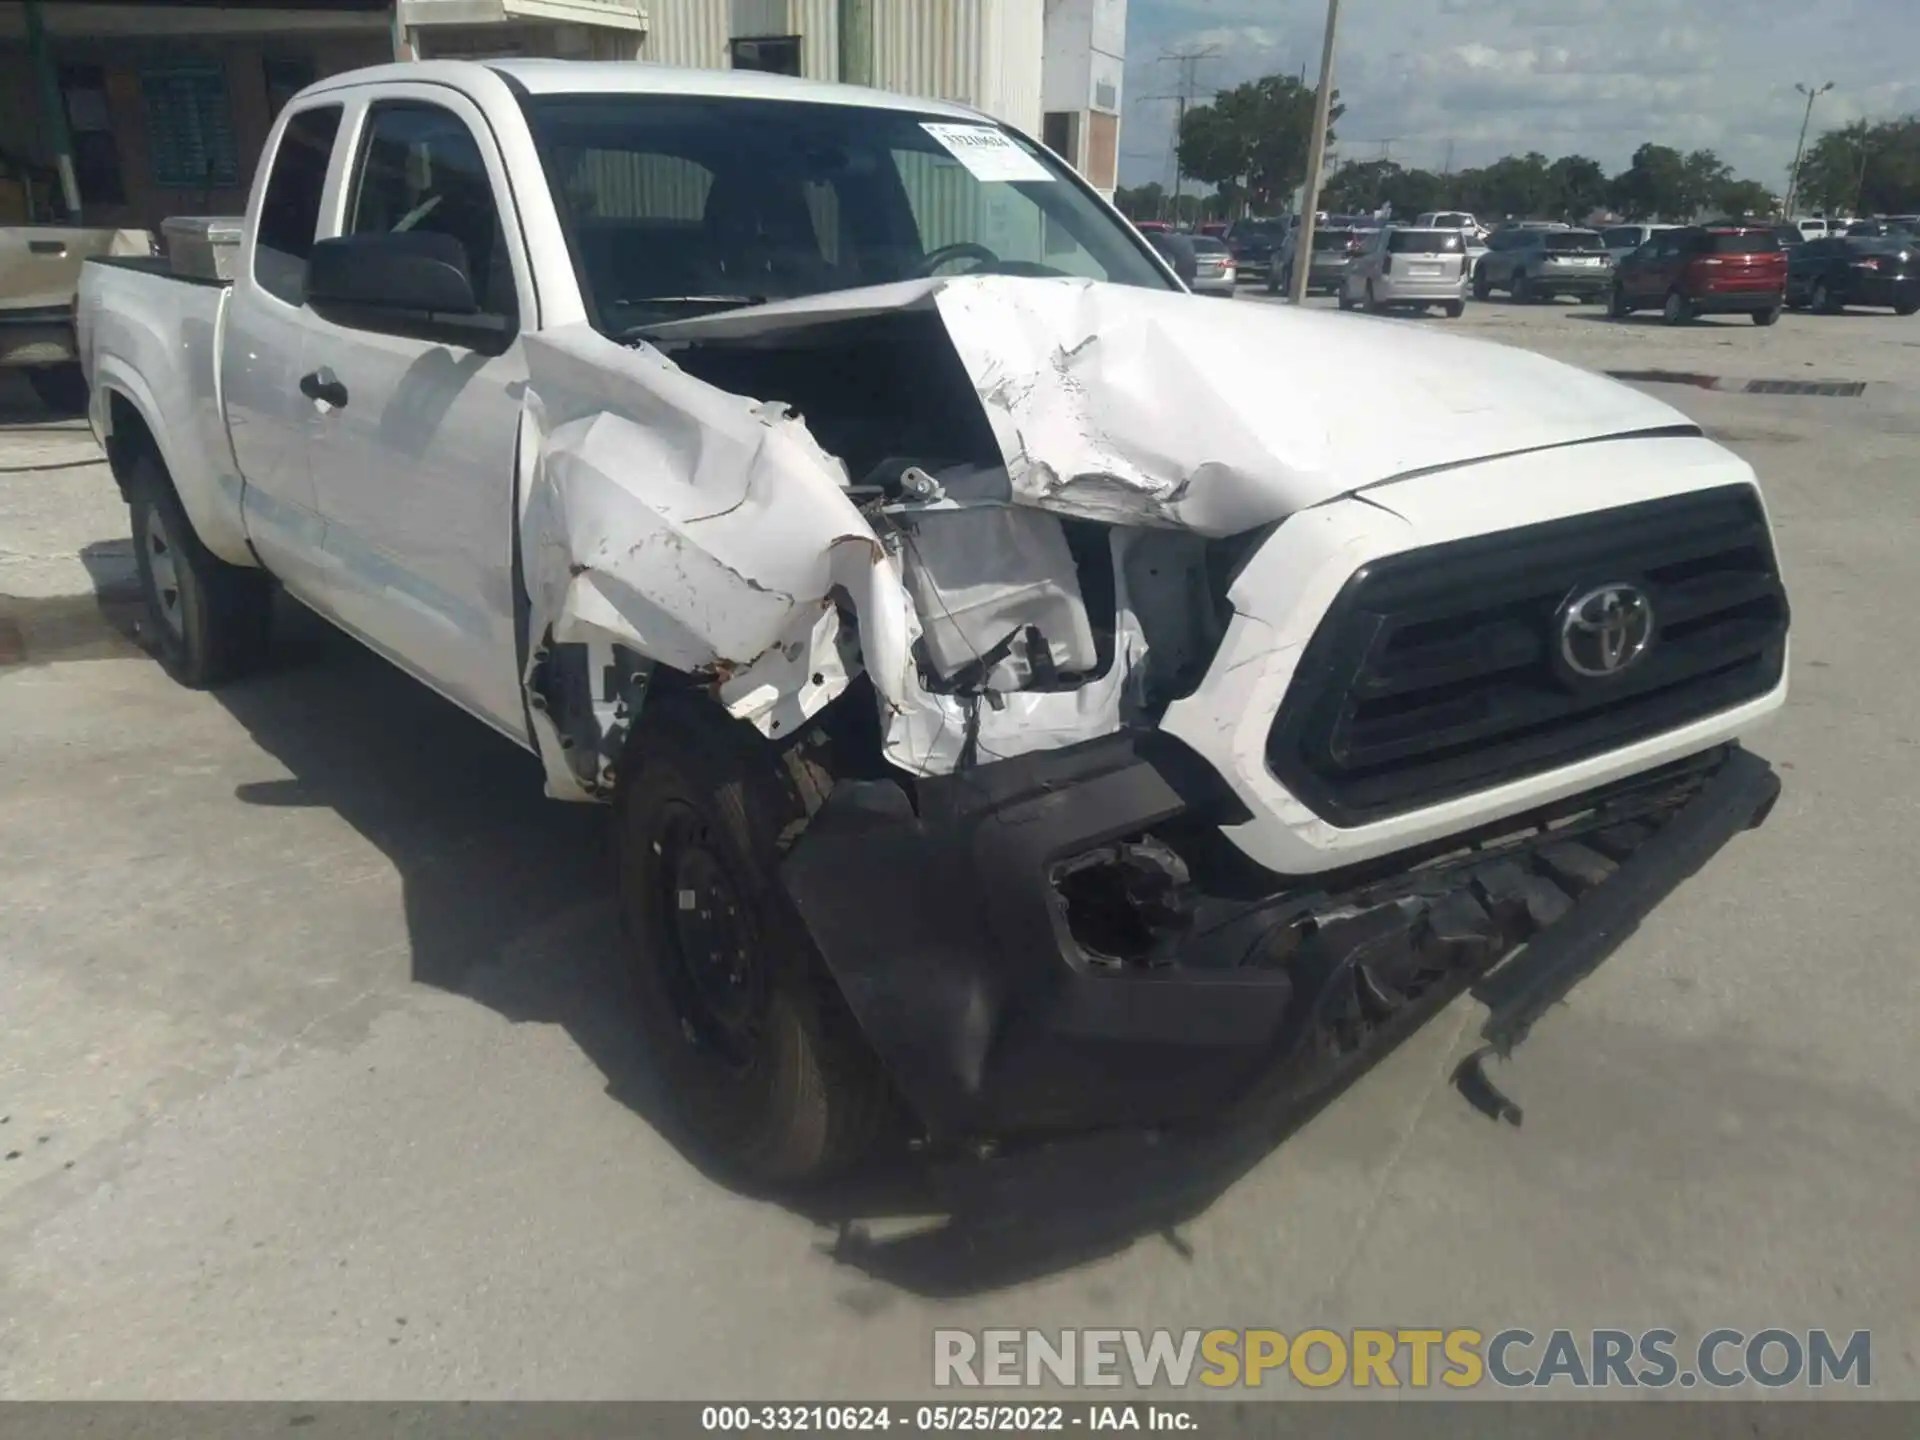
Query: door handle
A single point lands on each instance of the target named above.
(323, 384)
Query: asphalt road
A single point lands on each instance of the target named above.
(315, 1078)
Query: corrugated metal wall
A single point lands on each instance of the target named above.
(687, 32)
(817, 23)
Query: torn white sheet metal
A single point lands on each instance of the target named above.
(1137, 406)
(704, 530)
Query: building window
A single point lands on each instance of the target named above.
(286, 77)
(190, 139)
(776, 54)
(96, 158)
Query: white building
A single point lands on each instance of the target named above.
(985, 53)
(1085, 57)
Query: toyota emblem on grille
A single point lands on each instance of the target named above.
(1605, 630)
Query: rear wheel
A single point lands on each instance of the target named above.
(61, 388)
(1617, 304)
(764, 1068)
(1823, 299)
(1677, 310)
(1907, 307)
(1767, 316)
(211, 621)
(1482, 284)
(1522, 289)
(1273, 281)
(1455, 309)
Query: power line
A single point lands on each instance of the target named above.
(1189, 59)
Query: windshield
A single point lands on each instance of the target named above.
(1258, 229)
(1424, 242)
(676, 205)
(1573, 240)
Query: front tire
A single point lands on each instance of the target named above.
(1522, 290)
(211, 621)
(1907, 307)
(1617, 306)
(1455, 309)
(1677, 310)
(1482, 284)
(1823, 299)
(764, 1068)
(61, 388)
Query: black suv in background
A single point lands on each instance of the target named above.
(1254, 243)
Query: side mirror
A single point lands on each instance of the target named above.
(413, 283)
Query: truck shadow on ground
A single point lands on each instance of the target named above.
(507, 898)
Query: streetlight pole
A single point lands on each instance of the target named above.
(1316, 157)
(1793, 181)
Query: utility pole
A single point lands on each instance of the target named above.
(1860, 186)
(1316, 157)
(1446, 166)
(1793, 180)
(1185, 93)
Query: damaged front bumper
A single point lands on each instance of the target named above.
(1059, 944)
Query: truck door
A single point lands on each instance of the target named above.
(270, 422)
(415, 445)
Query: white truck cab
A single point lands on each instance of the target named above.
(1022, 691)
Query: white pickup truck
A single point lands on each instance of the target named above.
(1032, 701)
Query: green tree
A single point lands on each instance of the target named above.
(1703, 176)
(1516, 186)
(1251, 142)
(1142, 202)
(1654, 186)
(1741, 199)
(1864, 169)
(1579, 187)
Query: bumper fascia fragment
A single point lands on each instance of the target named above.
(946, 930)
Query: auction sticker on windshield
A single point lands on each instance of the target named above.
(988, 154)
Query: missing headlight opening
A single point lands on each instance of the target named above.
(1130, 903)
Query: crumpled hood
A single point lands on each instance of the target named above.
(1136, 406)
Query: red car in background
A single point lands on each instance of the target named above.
(1704, 270)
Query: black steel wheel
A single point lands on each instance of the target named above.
(761, 1065)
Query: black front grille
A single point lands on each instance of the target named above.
(1434, 674)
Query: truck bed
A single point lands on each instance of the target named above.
(156, 335)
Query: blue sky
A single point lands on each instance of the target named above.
(1498, 76)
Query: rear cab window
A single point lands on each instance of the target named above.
(1742, 242)
(290, 207)
(1573, 241)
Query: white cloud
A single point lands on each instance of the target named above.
(1477, 79)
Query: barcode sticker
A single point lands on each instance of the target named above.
(988, 154)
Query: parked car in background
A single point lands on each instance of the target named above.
(1704, 270)
(1789, 236)
(1446, 220)
(1253, 243)
(1152, 227)
(1622, 240)
(1884, 226)
(1212, 229)
(1176, 249)
(1829, 275)
(1404, 266)
(1333, 247)
(39, 273)
(1540, 264)
(1214, 272)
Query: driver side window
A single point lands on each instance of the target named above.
(420, 170)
